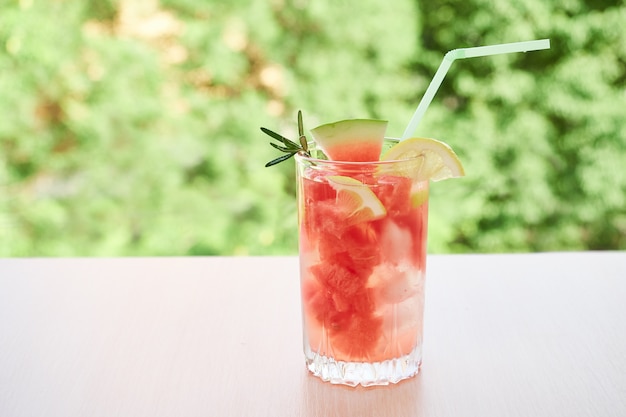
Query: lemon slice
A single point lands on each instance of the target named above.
(438, 160)
(356, 199)
(419, 193)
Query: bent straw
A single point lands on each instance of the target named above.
(461, 53)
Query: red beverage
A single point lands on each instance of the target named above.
(362, 258)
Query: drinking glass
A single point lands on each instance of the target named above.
(362, 246)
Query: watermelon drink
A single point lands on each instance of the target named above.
(362, 231)
(362, 219)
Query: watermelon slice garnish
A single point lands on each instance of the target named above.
(352, 140)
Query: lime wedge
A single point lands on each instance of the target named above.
(439, 162)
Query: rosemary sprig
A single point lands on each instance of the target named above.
(289, 147)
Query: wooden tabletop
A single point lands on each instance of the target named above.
(505, 335)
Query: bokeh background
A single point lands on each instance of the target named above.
(131, 128)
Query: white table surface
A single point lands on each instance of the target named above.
(505, 335)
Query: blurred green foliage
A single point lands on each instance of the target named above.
(131, 128)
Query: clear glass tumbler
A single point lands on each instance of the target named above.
(362, 231)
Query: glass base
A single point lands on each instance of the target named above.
(366, 374)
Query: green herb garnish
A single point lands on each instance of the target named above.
(289, 147)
